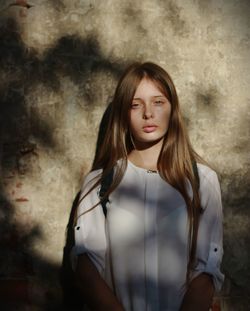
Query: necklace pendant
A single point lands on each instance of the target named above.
(152, 171)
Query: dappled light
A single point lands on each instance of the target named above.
(59, 63)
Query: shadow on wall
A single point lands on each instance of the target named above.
(236, 262)
(21, 71)
(18, 261)
(25, 277)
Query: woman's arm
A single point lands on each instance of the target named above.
(90, 238)
(206, 276)
(199, 294)
(96, 292)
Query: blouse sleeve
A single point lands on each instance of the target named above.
(89, 230)
(210, 234)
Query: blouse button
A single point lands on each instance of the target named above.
(77, 228)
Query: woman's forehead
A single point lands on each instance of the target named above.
(151, 87)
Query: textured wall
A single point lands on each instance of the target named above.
(59, 63)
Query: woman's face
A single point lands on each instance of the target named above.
(149, 115)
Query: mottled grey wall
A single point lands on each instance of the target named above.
(59, 63)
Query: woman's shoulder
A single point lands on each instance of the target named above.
(206, 172)
(93, 174)
(90, 178)
(208, 179)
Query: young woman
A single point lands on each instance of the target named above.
(159, 246)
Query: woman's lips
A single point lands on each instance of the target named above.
(149, 128)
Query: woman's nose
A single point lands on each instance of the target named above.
(148, 113)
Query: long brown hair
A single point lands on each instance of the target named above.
(176, 149)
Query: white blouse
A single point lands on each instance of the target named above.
(141, 247)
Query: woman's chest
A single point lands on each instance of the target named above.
(146, 207)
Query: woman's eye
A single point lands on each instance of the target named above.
(158, 102)
(135, 105)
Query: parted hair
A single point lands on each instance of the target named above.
(176, 158)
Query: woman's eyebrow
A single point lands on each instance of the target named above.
(155, 96)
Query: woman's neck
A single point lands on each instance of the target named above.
(146, 157)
